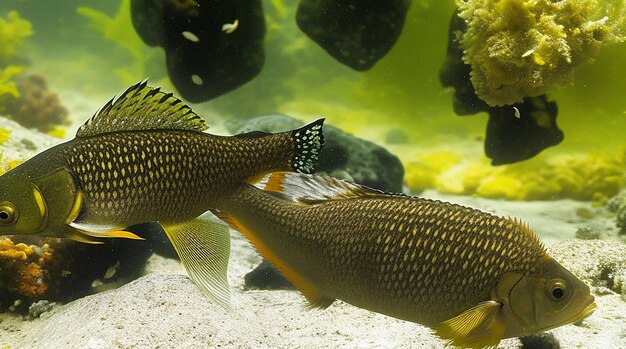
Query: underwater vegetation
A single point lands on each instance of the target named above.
(119, 29)
(595, 176)
(36, 106)
(523, 48)
(25, 99)
(13, 31)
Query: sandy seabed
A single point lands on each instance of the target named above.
(163, 309)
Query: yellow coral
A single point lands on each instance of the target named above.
(24, 267)
(13, 31)
(522, 48)
(28, 281)
(11, 251)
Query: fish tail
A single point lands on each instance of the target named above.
(308, 142)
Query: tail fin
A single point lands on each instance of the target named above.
(306, 188)
(308, 142)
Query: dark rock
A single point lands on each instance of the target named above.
(544, 340)
(511, 135)
(357, 33)
(343, 156)
(511, 138)
(266, 277)
(203, 59)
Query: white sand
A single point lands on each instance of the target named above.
(164, 310)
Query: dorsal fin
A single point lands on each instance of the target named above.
(141, 108)
(306, 188)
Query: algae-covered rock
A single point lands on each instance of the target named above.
(617, 204)
(36, 106)
(514, 132)
(523, 48)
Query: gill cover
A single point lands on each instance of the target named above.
(61, 201)
(22, 206)
(552, 298)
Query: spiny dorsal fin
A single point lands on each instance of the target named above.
(141, 108)
(305, 188)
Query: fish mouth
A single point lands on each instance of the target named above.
(584, 313)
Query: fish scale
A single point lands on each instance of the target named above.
(332, 226)
(144, 158)
(468, 274)
(154, 174)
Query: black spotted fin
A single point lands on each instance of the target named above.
(203, 245)
(477, 327)
(142, 108)
(316, 300)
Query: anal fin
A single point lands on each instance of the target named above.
(478, 327)
(316, 300)
(104, 232)
(203, 245)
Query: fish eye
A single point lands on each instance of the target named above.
(7, 214)
(556, 289)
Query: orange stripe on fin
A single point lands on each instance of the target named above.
(308, 290)
(275, 182)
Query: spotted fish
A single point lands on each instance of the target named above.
(473, 277)
(144, 158)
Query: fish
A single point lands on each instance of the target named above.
(472, 277)
(144, 158)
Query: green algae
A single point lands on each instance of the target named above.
(119, 30)
(13, 31)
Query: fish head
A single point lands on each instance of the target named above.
(549, 298)
(22, 207)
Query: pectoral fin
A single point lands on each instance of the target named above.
(203, 246)
(477, 327)
(103, 231)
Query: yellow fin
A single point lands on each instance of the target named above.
(315, 299)
(80, 237)
(114, 234)
(103, 231)
(203, 245)
(477, 327)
